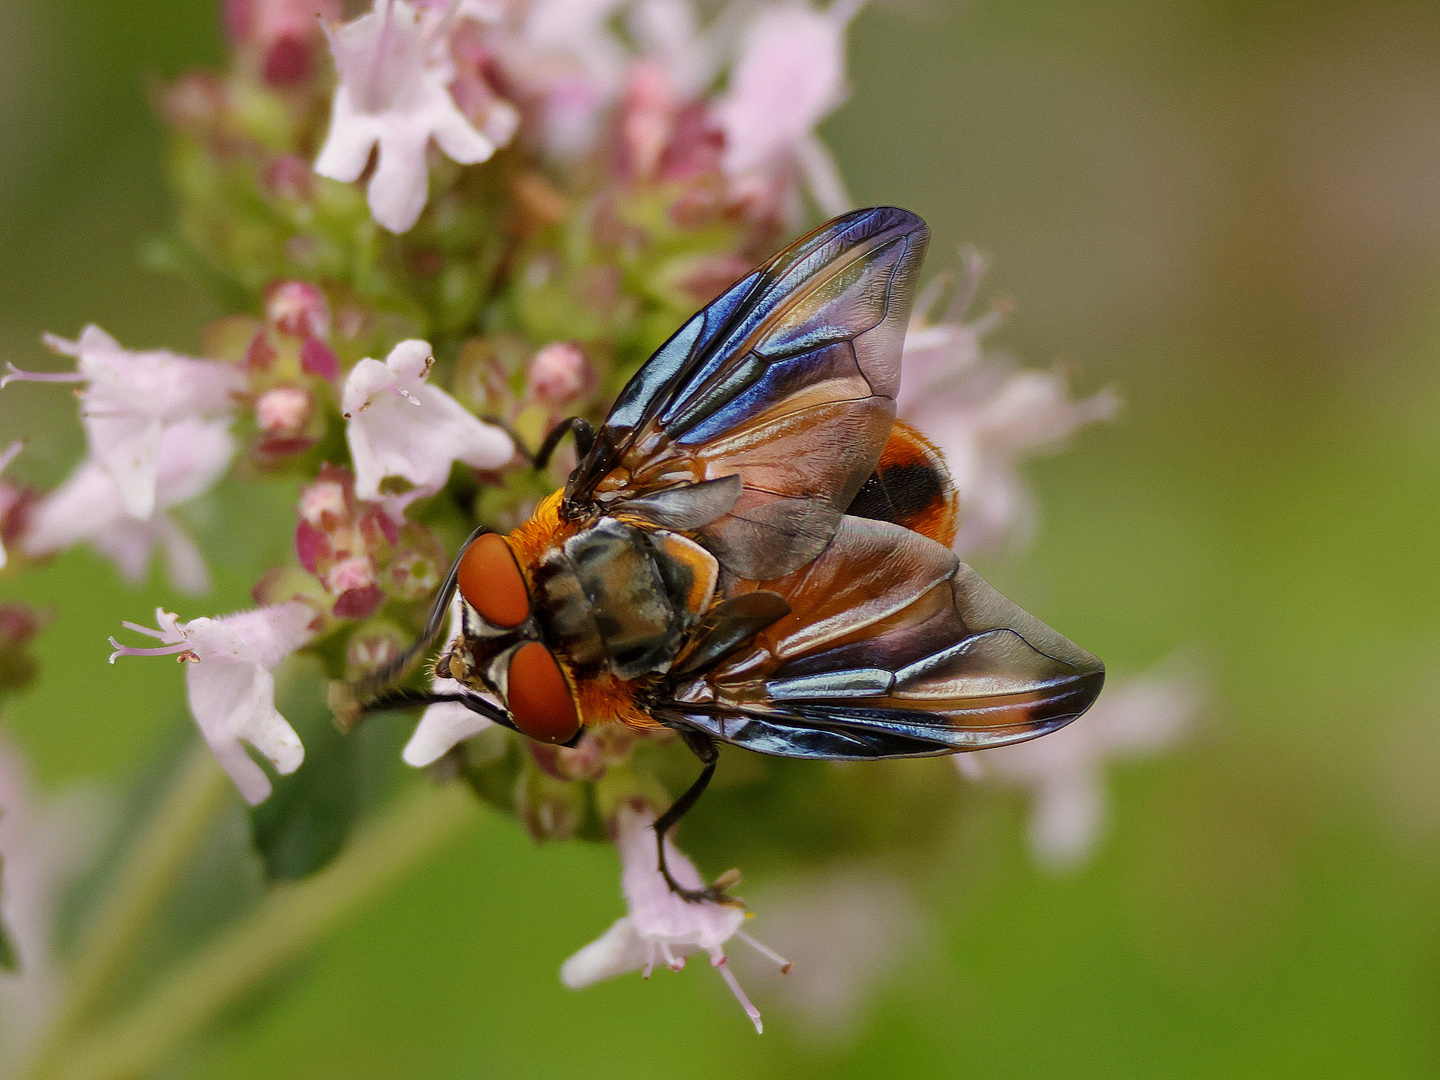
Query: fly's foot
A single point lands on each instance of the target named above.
(714, 893)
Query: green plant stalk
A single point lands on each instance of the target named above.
(144, 879)
(283, 924)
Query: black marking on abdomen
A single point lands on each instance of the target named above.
(900, 493)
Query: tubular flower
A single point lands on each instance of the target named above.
(401, 429)
(565, 59)
(230, 687)
(1065, 771)
(789, 75)
(984, 416)
(395, 72)
(45, 844)
(130, 400)
(89, 506)
(660, 926)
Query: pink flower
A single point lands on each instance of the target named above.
(394, 92)
(297, 308)
(445, 724)
(230, 687)
(8, 497)
(130, 400)
(984, 416)
(45, 844)
(849, 932)
(789, 75)
(565, 58)
(89, 506)
(283, 32)
(402, 428)
(558, 376)
(1065, 771)
(660, 926)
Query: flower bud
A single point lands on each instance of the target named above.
(625, 785)
(372, 646)
(585, 761)
(297, 308)
(284, 34)
(19, 623)
(551, 809)
(283, 411)
(325, 504)
(558, 376)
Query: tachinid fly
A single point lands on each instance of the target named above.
(753, 551)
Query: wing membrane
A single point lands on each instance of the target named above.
(788, 380)
(892, 648)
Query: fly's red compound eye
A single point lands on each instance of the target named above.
(539, 697)
(490, 581)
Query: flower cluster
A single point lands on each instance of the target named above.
(441, 228)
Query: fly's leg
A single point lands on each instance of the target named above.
(581, 428)
(704, 748)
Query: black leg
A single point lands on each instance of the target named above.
(704, 748)
(405, 699)
(584, 434)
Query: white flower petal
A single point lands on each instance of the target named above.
(87, 503)
(130, 545)
(442, 726)
(194, 454)
(347, 147)
(789, 75)
(400, 426)
(45, 844)
(400, 187)
(1066, 821)
(453, 133)
(1064, 771)
(618, 950)
(658, 913)
(183, 561)
(394, 93)
(131, 455)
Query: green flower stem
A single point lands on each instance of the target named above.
(283, 924)
(145, 877)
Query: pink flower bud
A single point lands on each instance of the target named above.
(355, 572)
(558, 375)
(283, 411)
(323, 504)
(298, 308)
(319, 359)
(359, 603)
(289, 177)
(285, 33)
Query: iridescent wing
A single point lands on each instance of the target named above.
(892, 648)
(757, 423)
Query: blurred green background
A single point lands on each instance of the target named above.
(1231, 212)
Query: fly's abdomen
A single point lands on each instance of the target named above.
(610, 598)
